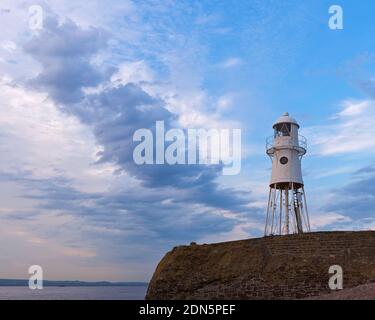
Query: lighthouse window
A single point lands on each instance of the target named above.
(284, 160)
(282, 130)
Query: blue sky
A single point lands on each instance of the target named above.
(72, 94)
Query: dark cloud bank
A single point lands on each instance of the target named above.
(357, 199)
(167, 210)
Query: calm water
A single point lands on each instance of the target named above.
(73, 293)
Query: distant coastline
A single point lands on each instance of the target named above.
(51, 283)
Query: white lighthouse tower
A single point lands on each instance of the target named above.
(287, 210)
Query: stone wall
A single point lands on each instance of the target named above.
(278, 267)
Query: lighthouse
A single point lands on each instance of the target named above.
(287, 208)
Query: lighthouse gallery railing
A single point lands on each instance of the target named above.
(301, 147)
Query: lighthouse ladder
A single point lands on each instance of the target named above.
(297, 211)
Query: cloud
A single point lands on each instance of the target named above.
(121, 219)
(64, 52)
(351, 131)
(231, 62)
(37, 137)
(355, 200)
(70, 160)
(136, 72)
(9, 46)
(345, 207)
(349, 207)
(328, 220)
(115, 113)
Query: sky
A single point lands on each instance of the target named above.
(73, 92)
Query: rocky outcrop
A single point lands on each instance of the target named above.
(277, 267)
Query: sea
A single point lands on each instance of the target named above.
(74, 293)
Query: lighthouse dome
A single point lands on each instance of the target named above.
(285, 118)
